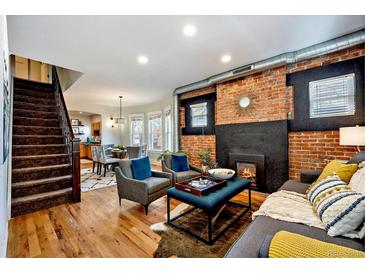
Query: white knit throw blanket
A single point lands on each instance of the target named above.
(289, 206)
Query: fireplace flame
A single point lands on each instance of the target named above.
(247, 173)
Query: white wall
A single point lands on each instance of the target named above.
(4, 167)
(109, 135)
(145, 109)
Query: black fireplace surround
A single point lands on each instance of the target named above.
(269, 139)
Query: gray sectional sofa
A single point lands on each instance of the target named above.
(249, 243)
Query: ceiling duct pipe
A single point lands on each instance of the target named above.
(333, 45)
(323, 48)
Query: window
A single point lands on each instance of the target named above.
(155, 131)
(136, 125)
(332, 96)
(168, 129)
(199, 115)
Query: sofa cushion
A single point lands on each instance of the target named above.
(155, 184)
(249, 243)
(357, 158)
(185, 175)
(179, 163)
(295, 186)
(126, 167)
(141, 168)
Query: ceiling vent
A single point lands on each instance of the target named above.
(242, 69)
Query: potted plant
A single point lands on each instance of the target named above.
(205, 159)
(121, 147)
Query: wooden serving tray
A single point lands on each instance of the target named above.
(192, 187)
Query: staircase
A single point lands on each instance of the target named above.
(45, 154)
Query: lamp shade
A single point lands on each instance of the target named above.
(352, 136)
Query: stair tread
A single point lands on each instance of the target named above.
(39, 156)
(39, 168)
(38, 111)
(40, 196)
(18, 80)
(36, 126)
(34, 118)
(35, 135)
(21, 98)
(40, 181)
(41, 145)
(35, 90)
(32, 104)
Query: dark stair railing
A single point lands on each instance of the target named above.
(73, 144)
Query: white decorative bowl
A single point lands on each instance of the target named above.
(222, 173)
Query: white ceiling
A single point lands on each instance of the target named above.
(105, 48)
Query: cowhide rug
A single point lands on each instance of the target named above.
(174, 242)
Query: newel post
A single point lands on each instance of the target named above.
(76, 186)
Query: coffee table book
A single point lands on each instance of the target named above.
(201, 185)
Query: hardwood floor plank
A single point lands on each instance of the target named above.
(96, 227)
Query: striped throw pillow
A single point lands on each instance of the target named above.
(319, 189)
(341, 209)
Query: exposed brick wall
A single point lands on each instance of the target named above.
(335, 57)
(270, 98)
(196, 93)
(314, 149)
(192, 144)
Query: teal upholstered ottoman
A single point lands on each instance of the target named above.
(209, 203)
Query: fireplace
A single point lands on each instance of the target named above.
(249, 166)
(264, 144)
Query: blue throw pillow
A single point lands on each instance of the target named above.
(141, 168)
(179, 163)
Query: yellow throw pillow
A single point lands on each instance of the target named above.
(344, 171)
(290, 245)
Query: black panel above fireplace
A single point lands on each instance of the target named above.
(269, 139)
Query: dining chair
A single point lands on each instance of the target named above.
(108, 152)
(95, 158)
(106, 161)
(134, 152)
(144, 150)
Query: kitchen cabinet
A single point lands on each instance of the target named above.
(89, 155)
(83, 151)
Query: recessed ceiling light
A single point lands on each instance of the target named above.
(80, 112)
(142, 59)
(226, 58)
(189, 30)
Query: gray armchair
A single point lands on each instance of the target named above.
(179, 176)
(145, 191)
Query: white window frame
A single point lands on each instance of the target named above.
(136, 115)
(315, 97)
(166, 137)
(149, 136)
(192, 106)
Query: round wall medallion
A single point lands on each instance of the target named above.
(244, 102)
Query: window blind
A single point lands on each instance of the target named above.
(332, 96)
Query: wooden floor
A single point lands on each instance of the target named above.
(96, 227)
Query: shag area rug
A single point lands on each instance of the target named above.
(174, 242)
(92, 181)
